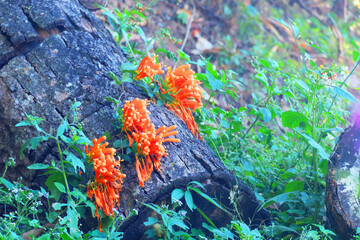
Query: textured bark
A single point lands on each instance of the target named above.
(342, 184)
(52, 52)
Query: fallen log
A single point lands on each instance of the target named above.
(52, 52)
(342, 196)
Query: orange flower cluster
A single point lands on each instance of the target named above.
(187, 94)
(107, 183)
(182, 87)
(149, 142)
(148, 68)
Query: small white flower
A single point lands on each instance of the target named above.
(177, 201)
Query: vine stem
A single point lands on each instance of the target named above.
(62, 167)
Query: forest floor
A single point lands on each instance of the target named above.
(233, 32)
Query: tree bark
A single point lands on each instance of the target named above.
(52, 52)
(342, 184)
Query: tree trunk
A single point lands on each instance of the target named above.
(342, 184)
(52, 52)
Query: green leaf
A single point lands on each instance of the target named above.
(128, 66)
(315, 145)
(260, 76)
(355, 55)
(153, 207)
(294, 186)
(275, 230)
(112, 100)
(323, 166)
(292, 119)
(291, 172)
(141, 34)
(76, 193)
(207, 197)
(177, 194)
(23, 123)
(126, 77)
(295, 29)
(38, 166)
(146, 89)
(62, 128)
(121, 143)
(75, 161)
(46, 236)
(183, 55)
(197, 183)
(7, 184)
(214, 83)
(318, 48)
(75, 105)
(302, 85)
(344, 94)
(34, 223)
(323, 230)
(227, 10)
(65, 139)
(33, 143)
(169, 54)
(65, 236)
(265, 63)
(57, 206)
(51, 186)
(283, 23)
(60, 187)
(115, 78)
(281, 198)
(73, 218)
(266, 114)
(91, 206)
(189, 200)
(178, 222)
(150, 221)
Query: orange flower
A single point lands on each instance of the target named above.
(143, 170)
(185, 88)
(107, 182)
(186, 115)
(149, 141)
(187, 94)
(96, 150)
(148, 68)
(135, 115)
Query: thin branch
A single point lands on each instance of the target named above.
(187, 31)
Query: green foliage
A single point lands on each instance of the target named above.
(172, 224)
(284, 150)
(124, 24)
(67, 201)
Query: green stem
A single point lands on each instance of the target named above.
(315, 169)
(2, 177)
(314, 156)
(343, 83)
(257, 117)
(207, 102)
(62, 167)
